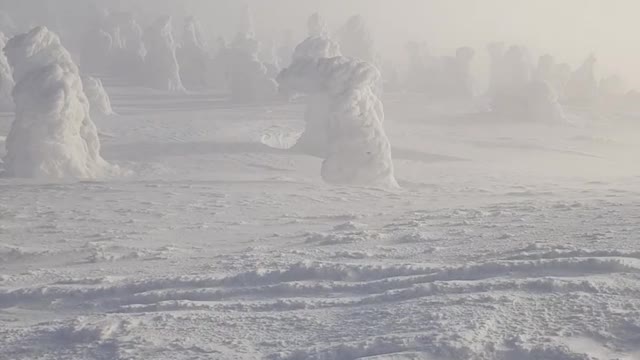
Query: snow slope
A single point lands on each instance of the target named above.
(506, 241)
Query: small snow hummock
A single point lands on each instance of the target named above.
(99, 101)
(163, 71)
(359, 152)
(6, 79)
(317, 46)
(52, 135)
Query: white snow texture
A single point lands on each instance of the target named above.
(52, 135)
(359, 152)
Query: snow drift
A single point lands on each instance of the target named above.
(6, 79)
(359, 152)
(99, 101)
(163, 71)
(52, 135)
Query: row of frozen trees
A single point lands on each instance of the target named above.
(152, 57)
(53, 135)
(519, 87)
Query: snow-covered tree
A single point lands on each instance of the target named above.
(317, 46)
(582, 87)
(52, 135)
(192, 56)
(249, 77)
(99, 101)
(6, 79)
(359, 152)
(161, 64)
(356, 40)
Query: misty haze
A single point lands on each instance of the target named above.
(319, 179)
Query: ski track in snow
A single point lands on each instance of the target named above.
(221, 244)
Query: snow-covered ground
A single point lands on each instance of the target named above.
(507, 241)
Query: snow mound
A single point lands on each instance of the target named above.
(163, 71)
(6, 79)
(99, 101)
(53, 135)
(359, 152)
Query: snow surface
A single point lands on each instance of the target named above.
(505, 241)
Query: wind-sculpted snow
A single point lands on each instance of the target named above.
(161, 64)
(99, 101)
(6, 78)
(359, 152)
(52, 135)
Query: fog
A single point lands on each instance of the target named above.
(568, 29)
(319, 179)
